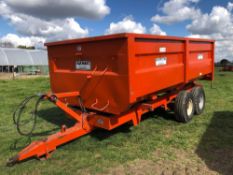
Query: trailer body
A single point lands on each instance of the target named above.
(114, 72)
(105, 82)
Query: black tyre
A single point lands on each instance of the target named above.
(184, 107)
(199, 100)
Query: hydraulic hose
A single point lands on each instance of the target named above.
(19, 110)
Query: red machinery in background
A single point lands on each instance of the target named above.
(227, 68)
(107, 81)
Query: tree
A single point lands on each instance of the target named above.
(25, 47)
(225, 62)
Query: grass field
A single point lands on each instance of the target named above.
(159, 145)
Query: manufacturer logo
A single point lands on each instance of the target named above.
(160, 61)
(83, 65)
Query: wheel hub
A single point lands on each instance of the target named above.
(201, 102)
(190, 107)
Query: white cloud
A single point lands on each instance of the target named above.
(157, 30)
(126, 25)
(4, 9)
(177, 11)
(50, 9)
(23, 41)
(217, 25)
(218, 21)
(230, 6)
(50, 28)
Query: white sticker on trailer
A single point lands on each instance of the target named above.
(162, 49)
(200, 56)
(160, 61)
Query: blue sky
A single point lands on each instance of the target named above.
(30, 22)
(5, 27)
(141, 10)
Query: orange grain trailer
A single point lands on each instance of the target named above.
(107, 81)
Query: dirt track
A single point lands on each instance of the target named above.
(184, 163)
(9, 76)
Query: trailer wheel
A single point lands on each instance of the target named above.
(199, 100)
(184, 107)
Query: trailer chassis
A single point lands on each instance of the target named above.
(87, 122)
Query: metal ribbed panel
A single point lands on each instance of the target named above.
(39, 57)
(21, 57)
(3, 58)
(18, 57)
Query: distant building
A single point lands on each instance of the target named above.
(23, 61)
